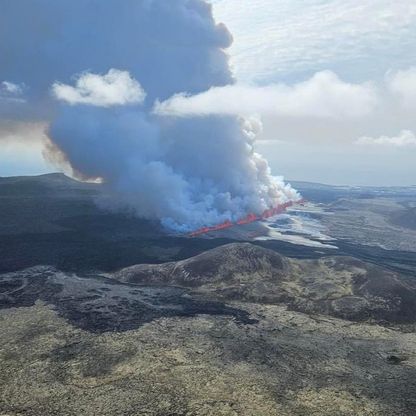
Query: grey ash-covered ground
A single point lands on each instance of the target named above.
(98, 304)
(102, 314)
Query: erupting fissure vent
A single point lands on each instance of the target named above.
(268, 213)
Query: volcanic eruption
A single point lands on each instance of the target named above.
(187, 172)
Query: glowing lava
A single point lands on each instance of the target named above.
(248, 219)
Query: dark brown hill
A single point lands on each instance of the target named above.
(339, 286)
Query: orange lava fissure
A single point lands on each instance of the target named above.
(248, 219)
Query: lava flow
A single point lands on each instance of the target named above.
(279, 209)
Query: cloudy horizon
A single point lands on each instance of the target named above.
(333, 98)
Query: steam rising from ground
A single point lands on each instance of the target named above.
(187, 172)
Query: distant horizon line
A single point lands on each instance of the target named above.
(290, 181)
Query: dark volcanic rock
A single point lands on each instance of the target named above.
(228, 263)
(27, 287)
(339, 286)
(98, 304)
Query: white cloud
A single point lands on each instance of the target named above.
(11, 88)
(114, 88)
(11, 92)
(285, 39)
(324, 95)
(405, 138)
(403, 85)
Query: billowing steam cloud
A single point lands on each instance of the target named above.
(187, 172)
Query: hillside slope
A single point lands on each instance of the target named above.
(339, 286)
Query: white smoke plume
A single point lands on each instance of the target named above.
(186, 172)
